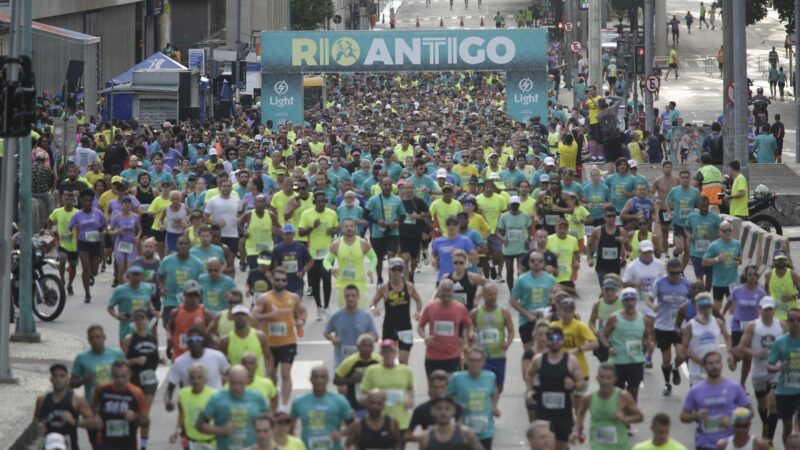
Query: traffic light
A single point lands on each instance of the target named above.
(17, 98)
(638, 60)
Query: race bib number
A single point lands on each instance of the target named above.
(194, 445)
(792, 379)
(125, 247)
(516, 235)
(278, 329)
(618, 221)
(348, 350)
(92, 236)
(348, 274)
(713, 424)
(489, 336)
(117, 428)
(182, 340)
(610, 253)
(478, 423)
(148, 377)
(606, 435)
(701, 245)
(460, 297)
(405, 336)
(320, 443)
(291, 266)
(554, 400)
(320, 253)
(66, 237)
(409, 220)
(444, 328)
(394, 397)
(684, 212)
(633, 348)
(551, 219)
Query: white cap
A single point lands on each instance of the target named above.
(55, 441)
(766, 302)
(240, 308)
(646, 246)
(298, 142)
(629, 292)
(549, 161)
(493, 176)
(632, 163)
(514, 199)
(441, 173)
(212, 152)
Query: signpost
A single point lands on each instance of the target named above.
(576, 47)
(197, 59)
(568, 26)
(729, 93)
(652, 83)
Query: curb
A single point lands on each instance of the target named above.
(26, 439)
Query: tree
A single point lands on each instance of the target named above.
(755, 11)
(785, 10)
(310, 14)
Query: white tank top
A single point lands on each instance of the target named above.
(763, 337)
(705, 338)
(748, 446)
(174, 218)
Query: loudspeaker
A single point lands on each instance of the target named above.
(246, 100)
(222, 110)
(184, 89)
(189, 113)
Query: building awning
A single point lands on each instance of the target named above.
(56, 32)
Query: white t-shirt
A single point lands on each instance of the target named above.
(84, 157)
(214, 361)
(639, 272)
(225, 209)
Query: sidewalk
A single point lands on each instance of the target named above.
(29, 365)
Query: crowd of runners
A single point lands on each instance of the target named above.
(218, 231)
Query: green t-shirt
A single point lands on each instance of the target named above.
(68, 240)
(99, 364)
(597, 197)
(319, 417)
(222, 408)
(177, 272)
(213, 251)
(395, 383)
(440, 210)
(516, 228)
(491, 207)
(618, 186)
(475, 396)
(126, 300)
(683, 203)
(739, 205)
(671, 444)
(786, 348)
(564, 250)
(701, 225)
(320, 238)
(387, 209)
(214, 292)
(724, 271)
(533, 292)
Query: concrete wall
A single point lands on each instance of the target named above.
(256, 15)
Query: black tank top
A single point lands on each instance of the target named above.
(609, 251)
(145, 198)
(456, 442)
(550, 218)
(463, 290)
(380, 439)
(143, 346)
(397, 308)
(552, 399)
(51, 414)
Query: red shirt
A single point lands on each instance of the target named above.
(445, 323)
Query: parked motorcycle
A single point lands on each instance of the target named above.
(761, 206)
(49, 294)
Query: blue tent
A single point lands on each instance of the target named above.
(156, 61)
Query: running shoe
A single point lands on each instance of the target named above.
(648, 362)
(88, 299)
(676, 377)
(319, 314)
(667, 391)
(70, 292)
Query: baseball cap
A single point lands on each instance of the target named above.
(396, 262)
(191, 286)
(355, 152)
(55, 441)
(544, 178)
(134, 269)
(632, 163)
(766, 302)
(288, 228)
(448, 186)
(514, 200)
(240, 309)
(493, 155)
(493, 176)
(780, 255)
(264, 259)
(115, 179)
(41, 155)
(441, 173)
(388, 343)
(611, 282)
(742, 415)
(646, 246)
(549, 161)
(212, 152)
(703, 299)
(630, 293)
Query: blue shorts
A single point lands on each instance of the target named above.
(699, 270)
(498, 366)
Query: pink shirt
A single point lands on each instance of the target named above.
(444, 323)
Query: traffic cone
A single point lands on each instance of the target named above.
(441, 22)
(417, 21)
(482, 21)
(461, 23)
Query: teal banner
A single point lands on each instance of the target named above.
(526, 94)
(409, 51)
(282, 98)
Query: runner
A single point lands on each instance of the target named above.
(446, 433)
(321, 413)
(613, 409)
(724, 255)
(89, 225)
(661, 188)
(744, 303)
(446, 327)
(294, 258)
(701, 337)
(61, 410)
(742, 438)
(259, 383)
(319, 224)
(191, 313)
(608, 304)
(376, 430)
(346, 325)
(702, 228)
(530, 296)
(494, 329)
(609, 244)
(350, 372)
(141, 353)
(626, 341)
(781, 287)
(681, 201)
(642, 274)
(214, 285)
(660, 426)
(415, 226)
(758, 337)
(443, 247)
(554, 376)
(670, 293)
(438, 384)
(130, 297)
(126, 227)
(475, 389)
(215, 366)
(259, 225)
(120, 408)
(59, 221)
(385, 211)
(246, 338)
(397, 294)
(514, 228)
(396, 381)
(350, 250)
(467, 286)
(783, 359)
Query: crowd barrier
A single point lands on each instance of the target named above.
(758, 246)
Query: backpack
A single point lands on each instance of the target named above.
(609, 127)
(716, 149)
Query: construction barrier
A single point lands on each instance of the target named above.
(758, 246)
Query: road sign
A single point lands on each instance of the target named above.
(576, 47)
(568, 26)
(652, 83)
(729, 92)
(337, 19)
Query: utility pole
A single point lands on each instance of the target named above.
(796, 77)
(740, 84)
(649, 50)
(728, 136)
(569, 17)
(594, 49)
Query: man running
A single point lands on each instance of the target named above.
(350, 372)
(784, 358)
(660, 426)
(661, 188)
(610, 244)
(702, 228)
(395, 380)
(669, 294)
(681, 201)
(346, 325)
(701, 337)
(322, 413)
(741, 419)
(121, 408)
(61, 410)
(191, 313)
(350, 251)
(494, 329)
(385, 212)
(641, 274)
(89, 225)
(397, 294)
(174, 272)
(514, 227)
(447, 433)
(319, 224)
(446, 327)
(475, 389)
(245, 338)
(781, 284)
(530, 297)
(626, 338)
(724, 255)
(377, 430)
(59, 221)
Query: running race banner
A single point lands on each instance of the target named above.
(521, 52)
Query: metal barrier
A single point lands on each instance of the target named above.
(710, 65)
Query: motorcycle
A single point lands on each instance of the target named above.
(49, 293)
(760, 206)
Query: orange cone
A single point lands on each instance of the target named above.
(441, 21)
(482, 21)
(417, 21)
(461, 24)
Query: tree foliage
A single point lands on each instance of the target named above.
(755, 12)
(310, 14)
(785, 10)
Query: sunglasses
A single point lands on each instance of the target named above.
(459, 263)
(536, 260)
(397, 269)
(555, 338)
(611, 216)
